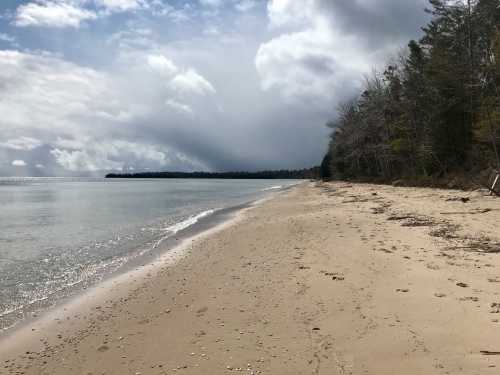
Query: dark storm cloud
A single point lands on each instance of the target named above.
(377, 22)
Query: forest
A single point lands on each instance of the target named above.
(432, 116)
(311, 173)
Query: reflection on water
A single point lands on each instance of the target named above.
(61, 235)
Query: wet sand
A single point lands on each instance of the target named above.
(323, 279)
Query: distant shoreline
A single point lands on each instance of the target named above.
(301, 174)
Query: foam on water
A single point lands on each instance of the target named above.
(277, 187)
(192, 220)
(182, 225)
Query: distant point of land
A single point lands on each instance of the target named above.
(300, 174)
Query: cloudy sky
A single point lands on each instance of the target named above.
(89, 86)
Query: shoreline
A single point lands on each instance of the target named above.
(323, 278)
(167, 251)
(79, 258)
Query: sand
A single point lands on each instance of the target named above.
(323, 279)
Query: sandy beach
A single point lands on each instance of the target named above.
(322, 279)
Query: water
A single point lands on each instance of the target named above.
(58, 236)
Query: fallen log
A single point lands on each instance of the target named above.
(495, 182)
(491, 189)
(472, 212)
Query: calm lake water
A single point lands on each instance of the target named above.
(58, 236)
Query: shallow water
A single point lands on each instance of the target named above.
(58, 236)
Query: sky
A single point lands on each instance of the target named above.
(95, 86)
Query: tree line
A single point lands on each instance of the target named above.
(434, 111)
(311, 173)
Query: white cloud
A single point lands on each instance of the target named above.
(86, 116)
(82, 161)
(133, 38)
(326, 47)
(40, 166)
(190, 82)
(22, 143)
(49, 13)
(71, 143)
(120, 5)
(106, 155)
(291, 12)
(179, 107)
(309, 64)
(180, 80)
(45, 92)
(162, 65)
(311, 60)
(138, 150)
(72, 13)
(18, 163)
(245, 5)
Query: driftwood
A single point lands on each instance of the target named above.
(459, 199)
(484, 248)
(472, 212)
(495, 182)
(397, 218)
(487, 352)
(491, 189)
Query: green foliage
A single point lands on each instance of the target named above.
(400, 146)
(434, 112)
(284, 174)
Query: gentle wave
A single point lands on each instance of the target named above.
(44, 292)
(188, 222)
(277, 187)
(45, 258)
(93, 271)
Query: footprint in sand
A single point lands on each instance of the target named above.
(473, 299)
(103, 348)
(495, 308)
(334, 275)
(384, 250)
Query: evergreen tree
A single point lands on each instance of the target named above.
(435, 111)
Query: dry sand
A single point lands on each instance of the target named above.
(324, 279)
